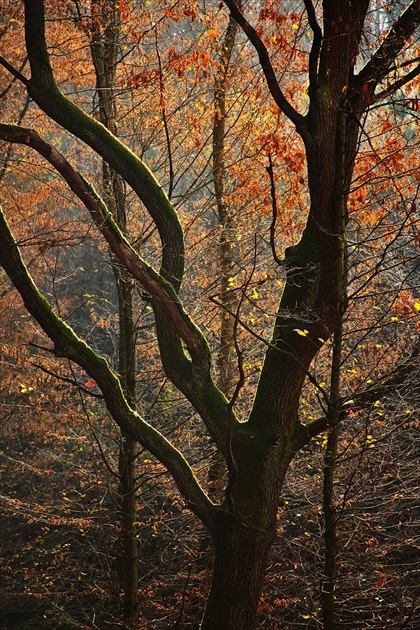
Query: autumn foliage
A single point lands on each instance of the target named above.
(252, 184)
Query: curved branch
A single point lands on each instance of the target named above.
(173, 324)
(270, 172)
(44, 91)
(266, 65)
(153, 282)
(68, 344)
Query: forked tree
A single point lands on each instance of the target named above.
(343, 87)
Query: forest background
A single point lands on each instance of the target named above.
(235, 231)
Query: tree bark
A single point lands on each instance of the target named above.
(243, 530)
(333, 413)
(240, 563)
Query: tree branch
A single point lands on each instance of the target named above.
(173, 324)
(67, 344)
(386, 385)
(66, 379)
(391, 89)
(194, 379)
(379, 64)
(360, 400)
(266, 65)
(270, 172)
(155, 284)
(15, 73)
(44, 91)
(316, 46)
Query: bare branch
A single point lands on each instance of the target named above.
(386, 385)
(391, 89)
(379, 65)
(16, 73)
(68, 344)
(266, 65)
(363, 399)
(66, 379)
(316, 46)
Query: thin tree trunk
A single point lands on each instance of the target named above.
(330, 530)
(128, 563)
(333, 416)
(227, 242)
(104, 49)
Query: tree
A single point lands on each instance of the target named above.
(104, 37)
(346, 82)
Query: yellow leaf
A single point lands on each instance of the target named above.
(417, 306)
(300, 332)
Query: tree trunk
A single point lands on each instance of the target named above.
(227, 251)
(129, 558)
(104, 47)
(242, 537)
(228, 242)
(240, 562)
(128, 564)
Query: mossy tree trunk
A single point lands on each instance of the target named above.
(243, 535)
(240, 563)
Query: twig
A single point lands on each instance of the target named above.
(184, 592)
(66, 379)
